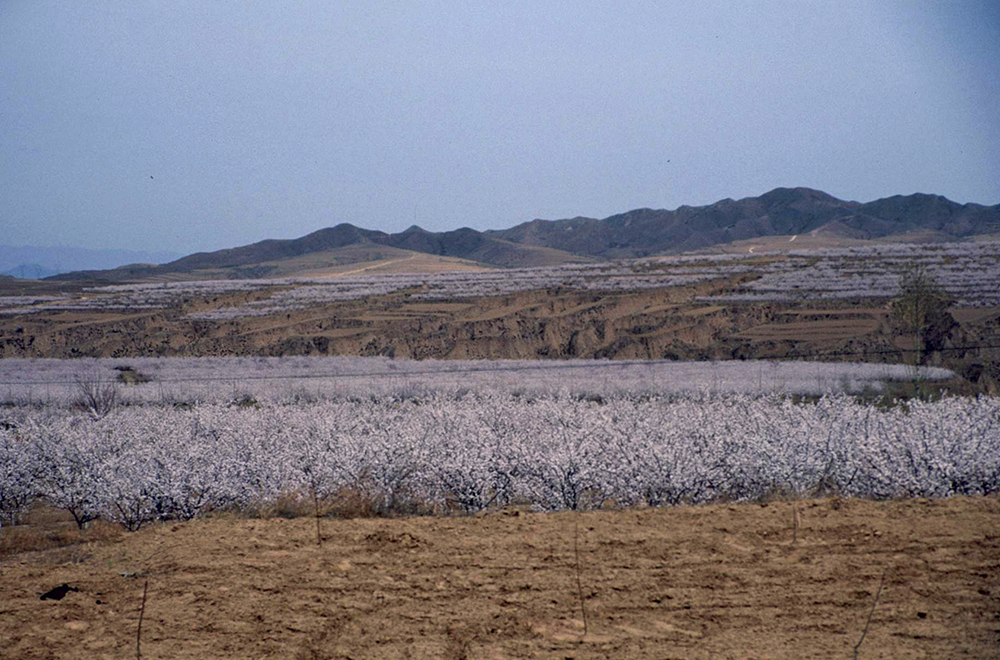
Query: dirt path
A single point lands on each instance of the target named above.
(375, 266)
(698, 582)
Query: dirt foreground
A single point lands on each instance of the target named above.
(721, 581)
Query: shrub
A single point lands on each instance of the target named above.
(97, 395)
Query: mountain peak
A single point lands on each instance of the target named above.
(791, 195)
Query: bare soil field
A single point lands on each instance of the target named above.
(832, 330)
(780, 579)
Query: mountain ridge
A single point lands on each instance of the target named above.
(636, 233)
(782, 211)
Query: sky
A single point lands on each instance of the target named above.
(194, 126)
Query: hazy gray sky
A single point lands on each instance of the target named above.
(188, 126)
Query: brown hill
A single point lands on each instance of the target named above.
(333, 247)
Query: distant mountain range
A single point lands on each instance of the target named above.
(32, 262)
(638, 233)
(30, 272)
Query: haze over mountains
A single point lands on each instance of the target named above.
(637, 233)
(32, 262)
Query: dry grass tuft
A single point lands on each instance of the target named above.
(349, 502)
(289, 505)
(52, 536)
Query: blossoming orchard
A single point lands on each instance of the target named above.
(468, 448)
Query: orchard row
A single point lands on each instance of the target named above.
(467, 452)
